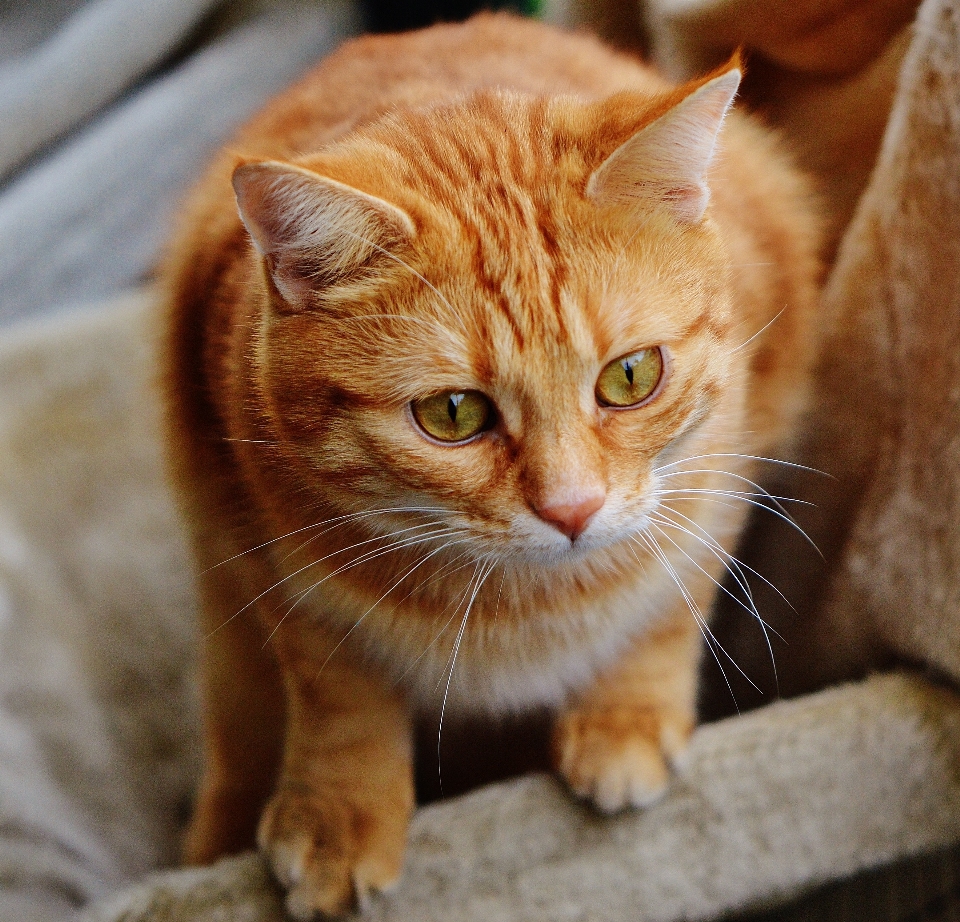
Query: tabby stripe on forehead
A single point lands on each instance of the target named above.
(706, 322)
(556, 267)
(498, 296)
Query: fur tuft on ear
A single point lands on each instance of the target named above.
(313, 232)
(666, 162)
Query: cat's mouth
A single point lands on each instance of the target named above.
(538, 544)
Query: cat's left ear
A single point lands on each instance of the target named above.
(666, 162)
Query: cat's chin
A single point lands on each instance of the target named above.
(587, 551)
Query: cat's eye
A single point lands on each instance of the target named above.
(631, 379)
(453, 416)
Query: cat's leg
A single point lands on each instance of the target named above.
(243, 718)
(336, 828)
(616, 742)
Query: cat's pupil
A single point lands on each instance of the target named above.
(628, 371)
(452, 405)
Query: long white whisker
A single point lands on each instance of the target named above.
(453, 662)
(314, 563)
(751, 608)
(793, 464)
(350, 516)
(698, 615)
(656, 551)
(762, 329)
(775, 508)
(713, 543)
(733, 493)
(409, 541)
(393, 534)
(356, 624)
(442, 630)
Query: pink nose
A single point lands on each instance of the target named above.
(571, 517)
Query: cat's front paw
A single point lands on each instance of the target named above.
(619, 757)
(330, 854)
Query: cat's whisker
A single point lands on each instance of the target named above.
(299, 597)
(734, 568)
(711, 542)
(718, 496)
(443, 571)
(750, 606)
(409, 541)
(775, 507)
(496, 610)
(357, 623)
(730, 563)
(325, 531)
(698, 614)
(709, 470)
(730, 454)
(468, 595)
(453, 661)
(367, 556)
(350, 516)
(443, 629)
(762, 329)
(314, 563)
(737, 494)
(252, 441)
(701, 622)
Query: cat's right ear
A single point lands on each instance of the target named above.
(313, 232)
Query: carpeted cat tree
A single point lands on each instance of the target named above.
(98, 729)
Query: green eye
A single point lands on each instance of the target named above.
(453, 416)
(629, 380)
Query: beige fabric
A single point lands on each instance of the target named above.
(786, 797)
(894, 299)
(98, 728)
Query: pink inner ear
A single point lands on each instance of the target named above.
(666, 162)
(313, 232)
(687, 202)
(290, 279)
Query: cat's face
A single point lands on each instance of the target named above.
(494, 333)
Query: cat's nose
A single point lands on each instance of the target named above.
(573, 513)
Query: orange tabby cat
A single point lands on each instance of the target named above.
(464, 385)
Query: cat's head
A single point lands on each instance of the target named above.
(505, 310)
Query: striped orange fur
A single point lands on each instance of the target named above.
(499, 210)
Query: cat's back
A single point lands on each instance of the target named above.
(376, 73)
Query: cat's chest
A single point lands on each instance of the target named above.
(512, 658)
